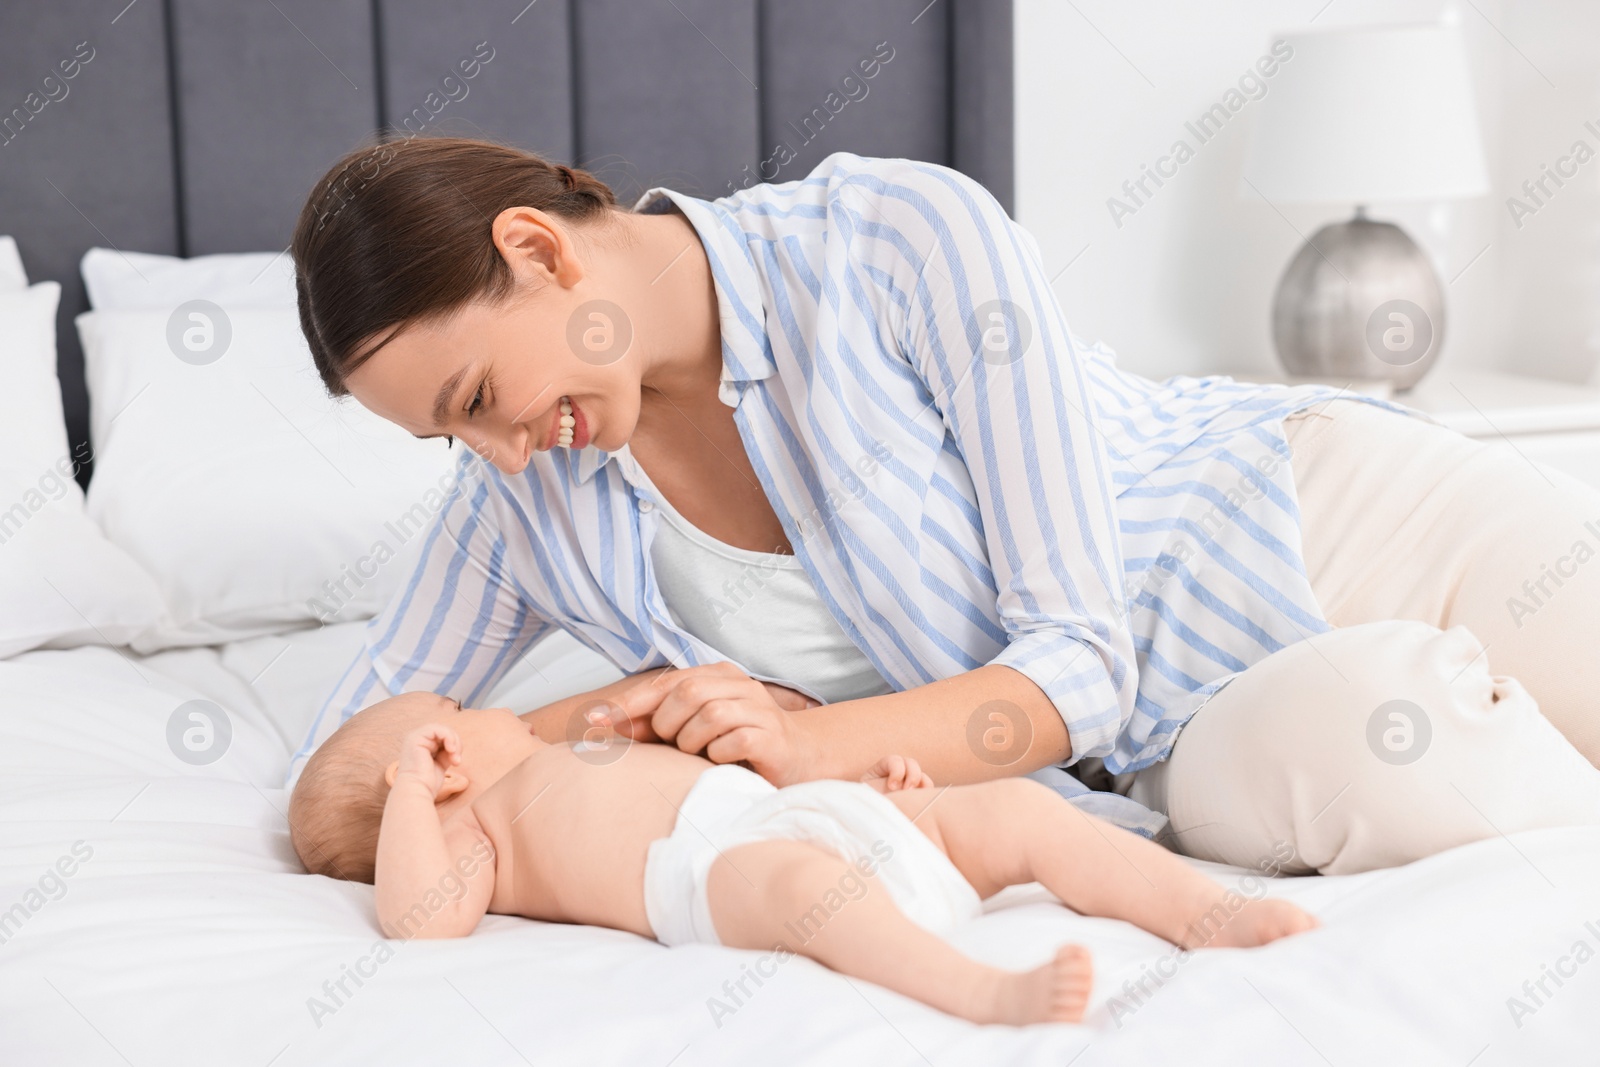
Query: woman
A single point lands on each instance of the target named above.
(834, 436)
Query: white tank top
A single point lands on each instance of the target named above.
(757, 608)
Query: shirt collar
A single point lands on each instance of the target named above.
(746, 350)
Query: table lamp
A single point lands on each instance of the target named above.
(1374, 113)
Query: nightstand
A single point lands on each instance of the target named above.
(1556, 424)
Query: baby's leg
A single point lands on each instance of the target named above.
(1016, 830)
(773, 894)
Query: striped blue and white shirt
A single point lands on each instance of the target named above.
(965, 482)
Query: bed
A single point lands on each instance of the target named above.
(191, 935)
(166, 638)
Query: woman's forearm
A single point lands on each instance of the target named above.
(992, 722)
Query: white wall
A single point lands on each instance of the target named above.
(1185, 284)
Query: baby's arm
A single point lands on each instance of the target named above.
(421, 864)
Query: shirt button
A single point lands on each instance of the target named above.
(645, 505)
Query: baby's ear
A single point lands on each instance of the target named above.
(455, 781)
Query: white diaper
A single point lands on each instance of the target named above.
(729, 805)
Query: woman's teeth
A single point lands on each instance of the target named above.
(564, 434)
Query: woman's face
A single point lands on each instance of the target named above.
(495, 374)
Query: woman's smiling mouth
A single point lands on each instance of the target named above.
(569, 429)
(565, 424)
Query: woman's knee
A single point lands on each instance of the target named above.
(1370, 746)
(1533, 595)
(1468, 534)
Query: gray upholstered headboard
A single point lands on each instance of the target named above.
(196, 126)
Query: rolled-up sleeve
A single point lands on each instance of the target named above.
(454, 626)
(984, 331)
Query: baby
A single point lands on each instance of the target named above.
(456, 812)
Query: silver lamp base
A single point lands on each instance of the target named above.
(1359, 300)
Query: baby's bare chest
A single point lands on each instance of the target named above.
(573, 829)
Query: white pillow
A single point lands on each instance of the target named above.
(61, 582)
(12, 276)
(256, 501)
(121, 281)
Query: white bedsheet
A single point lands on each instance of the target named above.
(190, 934)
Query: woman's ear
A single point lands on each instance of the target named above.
(538, 242)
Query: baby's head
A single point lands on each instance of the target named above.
(337, 805)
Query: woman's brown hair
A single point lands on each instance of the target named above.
(400, 231)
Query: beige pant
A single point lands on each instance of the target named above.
(1458, 697)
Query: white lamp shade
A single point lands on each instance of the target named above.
(1368, 114)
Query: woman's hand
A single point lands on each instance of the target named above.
(788, 699)
(606, 709)
(721, 712)
(894, 773)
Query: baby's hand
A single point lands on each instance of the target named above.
(894, 773)
(427, 753)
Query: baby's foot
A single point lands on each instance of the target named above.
(1256, 923)
(1054, 993)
